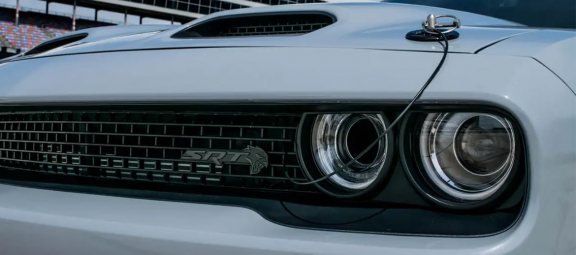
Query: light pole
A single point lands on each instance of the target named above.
(17, 12)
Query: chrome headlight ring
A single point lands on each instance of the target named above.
(329, 141)
(441, 149)
(333, 147)
(460, 159)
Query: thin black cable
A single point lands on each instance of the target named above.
(379, 138)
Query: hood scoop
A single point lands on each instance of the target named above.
(56, 43)
(269, 24)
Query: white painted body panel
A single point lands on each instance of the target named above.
(263, 74)
(555, 49)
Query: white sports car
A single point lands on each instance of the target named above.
(414, 127)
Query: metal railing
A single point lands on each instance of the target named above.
(60, 14)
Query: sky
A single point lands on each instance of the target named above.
(81, 12)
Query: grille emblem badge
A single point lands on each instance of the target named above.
(252, 155)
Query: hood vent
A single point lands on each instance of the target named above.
(56, 43)
(258, 25)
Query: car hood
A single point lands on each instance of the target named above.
(359, 25)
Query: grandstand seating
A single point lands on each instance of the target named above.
(34, 28)
(22, 37)
(56, 26)
(30, 32)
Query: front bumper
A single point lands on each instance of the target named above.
(35, 221)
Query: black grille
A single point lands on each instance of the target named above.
(148, 146)
(258, 25)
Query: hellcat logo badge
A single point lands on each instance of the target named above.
(252, 155)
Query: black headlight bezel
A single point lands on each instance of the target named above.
(405, 151)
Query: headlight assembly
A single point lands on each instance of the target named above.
(466, 157)
(458, 160)
(336, 139)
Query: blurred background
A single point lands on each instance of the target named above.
(26, 23)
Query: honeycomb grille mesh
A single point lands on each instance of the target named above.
(274, 24)
(148, 146)
(278, 28)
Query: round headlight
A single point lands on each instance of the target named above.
(338, 138)
(468, 156)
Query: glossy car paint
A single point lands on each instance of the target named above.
(358, 26)
(554, 49)
(354, 63)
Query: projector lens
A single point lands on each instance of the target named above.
(467, 155)
(338, 138)
(483, 145)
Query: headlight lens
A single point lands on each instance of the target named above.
(338, 138)
(467, 155)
